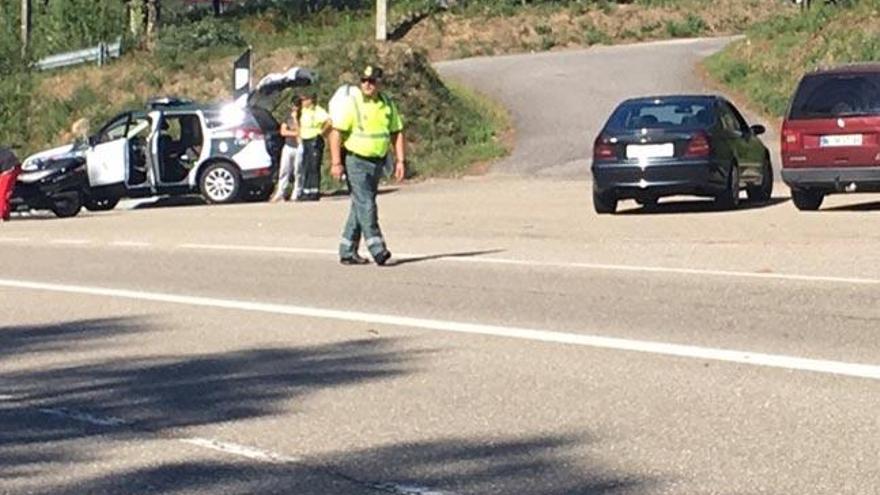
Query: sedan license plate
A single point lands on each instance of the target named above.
(840, 140)
(650, 150)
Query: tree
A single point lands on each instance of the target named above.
(218, 7)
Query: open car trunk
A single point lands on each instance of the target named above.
(262, 100)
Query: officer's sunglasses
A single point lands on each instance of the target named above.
(371, 80)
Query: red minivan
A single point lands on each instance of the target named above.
(831, 134)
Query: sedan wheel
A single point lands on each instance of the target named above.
(604, 203)
(729, 199)
(220, 183)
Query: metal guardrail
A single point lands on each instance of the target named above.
(100, 54)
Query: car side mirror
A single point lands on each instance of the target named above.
(93, 141)
(757, 130)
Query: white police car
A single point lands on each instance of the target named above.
(223, 152)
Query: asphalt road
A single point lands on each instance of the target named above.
(521, 345)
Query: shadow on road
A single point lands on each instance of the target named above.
(155, 394)
(870, 206)
(171, 202)
(429, 257)
(695, 206)
(534, 466)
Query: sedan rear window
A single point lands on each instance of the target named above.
(661, 114)
(823, 96)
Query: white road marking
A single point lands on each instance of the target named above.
(240, 450)
(130, 244)
(650, 347)
(263, 249)
(701, 272)
(234, 449)
(84, 417)
(408, 489)
(15, 239)
(563, 265)
(70, 241)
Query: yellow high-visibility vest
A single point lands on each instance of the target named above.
(367, 124)
(311, 121)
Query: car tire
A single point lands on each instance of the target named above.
(220, 183)
(763, 192)
(604, 203)
(729, 199)
(807, 199)
(66, 205)
(101, 204)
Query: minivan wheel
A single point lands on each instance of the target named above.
(220, 183)
(65, 205)
(762, 193)
(729, 199)
(807, 199)
(604, 203)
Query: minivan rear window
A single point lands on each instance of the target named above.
(823, 96)
(661, 114)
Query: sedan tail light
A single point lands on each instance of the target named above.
(602, 149)
(792, 141)
(698, 146)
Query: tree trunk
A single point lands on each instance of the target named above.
(153, 16)
(218, 8)
(26, 13)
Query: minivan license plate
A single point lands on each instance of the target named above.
(840, 140)
(650, 150)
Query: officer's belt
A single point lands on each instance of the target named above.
(371, 159)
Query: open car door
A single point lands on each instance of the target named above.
(107, 155)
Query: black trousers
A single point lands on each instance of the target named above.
(313, 152)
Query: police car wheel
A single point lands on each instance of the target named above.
(101, 204)
(65, 205)
(220, 183)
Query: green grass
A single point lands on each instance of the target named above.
(768, 64)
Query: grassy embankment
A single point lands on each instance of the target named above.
(766, 66)
(450, 128)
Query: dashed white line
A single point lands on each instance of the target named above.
(130, 244)
(408, 489)
(263, 249)
(840, 368)
(70, 241)
(562, 265)
(240, 450)
(84, 417)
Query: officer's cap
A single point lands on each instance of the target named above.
(372, 72)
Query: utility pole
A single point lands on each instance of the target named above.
(381, 20)
(26, 13)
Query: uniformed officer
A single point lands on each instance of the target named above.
(314, 122)
(366, 127)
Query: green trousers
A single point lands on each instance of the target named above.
(363, 219)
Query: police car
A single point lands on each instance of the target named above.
(224, 152)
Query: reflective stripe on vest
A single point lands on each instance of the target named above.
(369, 136)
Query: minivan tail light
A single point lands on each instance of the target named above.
(698, 146)
(602, 149)
(792, 141)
